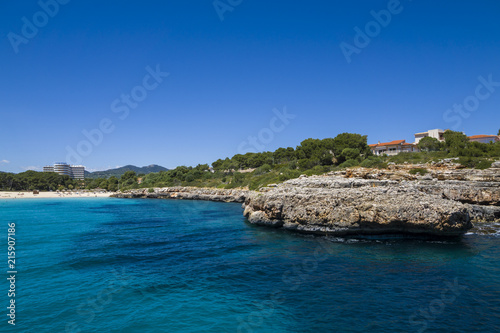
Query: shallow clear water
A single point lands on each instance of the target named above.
(117, 265)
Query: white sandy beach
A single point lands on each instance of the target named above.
(25, 194)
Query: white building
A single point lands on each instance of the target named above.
(393, 148)
(435, 133)
(73, 171)
(78, 172)
(484, 138)
(62, 169)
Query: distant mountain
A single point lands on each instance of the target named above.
(118, 172)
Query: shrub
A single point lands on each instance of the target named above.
(373, 162)
(151, 190)
(421, 157)
(349, 164)
(474, 162)
(288, 174)
(263, 169)
(350, 153)
(420, 171)
(237, 180)
(483, 164)
(305, 163)
(430, 144)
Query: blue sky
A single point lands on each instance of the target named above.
(225, 77)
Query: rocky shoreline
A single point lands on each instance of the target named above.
(187, 193)
(447, 201)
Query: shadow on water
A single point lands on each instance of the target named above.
(361, 277)
(385, 246)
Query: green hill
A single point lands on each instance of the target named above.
(120, 171)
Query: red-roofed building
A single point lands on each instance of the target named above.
(393, 148)
(484, 138)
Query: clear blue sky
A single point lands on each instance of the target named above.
(226, 77)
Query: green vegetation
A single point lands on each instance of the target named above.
(32, 180)
(374, 162)
(420, 171)
(430, 144)
(255, 170)
(457, 145)
(475, 162)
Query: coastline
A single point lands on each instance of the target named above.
(187, 193)
(30, 195)
(447, 201)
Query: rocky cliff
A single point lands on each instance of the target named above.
(339, 206)
(446, 201)
(369, 201)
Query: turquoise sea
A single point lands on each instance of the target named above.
(118, 265)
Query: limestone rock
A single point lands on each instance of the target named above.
(339, 206)
(188, 193)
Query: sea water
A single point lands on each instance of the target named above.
(123, 265)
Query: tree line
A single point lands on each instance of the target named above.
(471, 154)
(33, 180)
(254, 170)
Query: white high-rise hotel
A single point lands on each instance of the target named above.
(74, 171)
